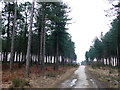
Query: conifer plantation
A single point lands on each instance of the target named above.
(35, 38)
(37, 48)
(106, 49)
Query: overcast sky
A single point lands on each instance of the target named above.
(89, 21)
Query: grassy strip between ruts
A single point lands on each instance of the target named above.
(106, 74)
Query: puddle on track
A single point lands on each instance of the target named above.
(79, 80)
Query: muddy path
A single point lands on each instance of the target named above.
(82, 78)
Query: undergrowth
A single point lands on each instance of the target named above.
(51, 74)
(19, 82)
(97, 65)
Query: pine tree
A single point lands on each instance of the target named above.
(13, 39)
(28, 57)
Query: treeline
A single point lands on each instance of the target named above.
(106, 50)
(36, 33)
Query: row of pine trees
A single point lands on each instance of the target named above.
(35, 33)
(106, 49)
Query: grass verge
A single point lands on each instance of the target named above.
(106, 74)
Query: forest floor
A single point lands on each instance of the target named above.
(47, 78)
(107, 77)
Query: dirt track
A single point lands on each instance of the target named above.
(82, 78)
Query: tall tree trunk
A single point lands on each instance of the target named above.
(113, 62)
(13, 40)
(25, 38)
(31, 59)
(116, 61)
(39, 45)
(42, 40)
(29, 43)
(102, 61)
(43, 44)
(63, 61)
(8, 40)
(19, 60)
(57, 55)
(54, 59)
(109, 61)
(16, 57)
(46, 59)
(51, 59)
(106, 61)
(3, 65)
(1, 56)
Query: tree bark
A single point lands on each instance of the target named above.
(42, 40)
(16, 57)
(106, 61)
(25, 38)
(29, 43)
(19, 61)
(39, 45)
(57, 55)
(51, 59)
(13, 40)
(8, 37)
(43, 44)
(110, 61)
